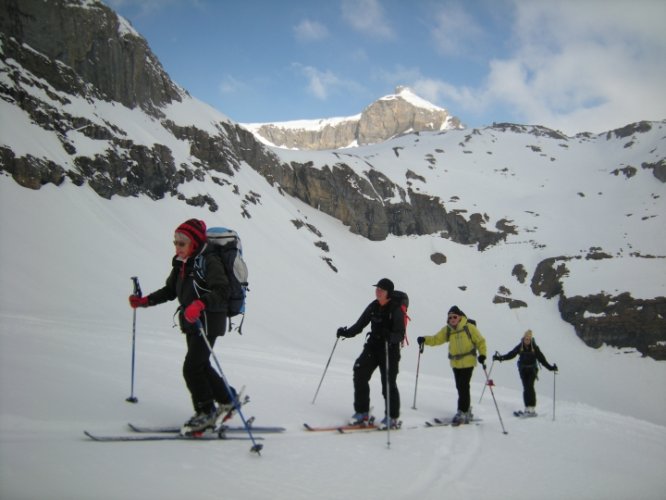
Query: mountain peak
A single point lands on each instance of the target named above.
(389, 116)
(408, 95)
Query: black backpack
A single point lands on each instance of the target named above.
(227, 244)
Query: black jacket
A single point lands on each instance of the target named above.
(387, 323)
(527, 357)
(188, 283)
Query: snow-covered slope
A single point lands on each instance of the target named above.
(65, 347)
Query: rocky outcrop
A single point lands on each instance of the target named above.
(359, 201)
(620, 321)
(101, 48)
(328, 136)
(385, 118)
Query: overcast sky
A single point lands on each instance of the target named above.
(584, 65)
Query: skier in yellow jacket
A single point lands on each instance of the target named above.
(465, 341)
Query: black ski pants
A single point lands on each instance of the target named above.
(528, 377)
(373, 356)
(203, 381)
(463, 377)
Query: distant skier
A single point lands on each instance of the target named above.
(528, 355)
(387, 328)
(201, 297)
(465, 341)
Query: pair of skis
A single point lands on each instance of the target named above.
(346, 428)
(172, 433)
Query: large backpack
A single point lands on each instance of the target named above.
(227, 244)
(469, 336)
(403, 299)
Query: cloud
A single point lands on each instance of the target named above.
(584, 65)
(230, 85)
(574, 66)
(367, 17)
(322, 84)
(455, 31)
(308, 30)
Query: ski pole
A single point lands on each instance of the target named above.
(416, 384)
(554, 377)
(489, 373)
(136, 291)
(388, 398)
(256, 447)
(490, 385)
(325, 369)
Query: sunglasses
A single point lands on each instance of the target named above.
(454, 316)
(180, 244)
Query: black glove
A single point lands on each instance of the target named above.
(342, 332)
(497, 357)
(554, 369)
(420, 340)
(482, 359)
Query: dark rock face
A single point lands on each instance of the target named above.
(620, 321)
(338, 191)
(546, 279)
(95, 44)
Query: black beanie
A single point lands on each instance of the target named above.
(456, 310)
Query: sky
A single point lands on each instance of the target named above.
(574, 66)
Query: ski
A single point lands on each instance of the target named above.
(344, 429)
(166, 437)
(260, 429)
(340, 428)
(444, 422)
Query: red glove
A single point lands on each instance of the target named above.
(193, 311)
(136, 301)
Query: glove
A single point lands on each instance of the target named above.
(482, 359)
(554, 368)
(420, 340)
(497, 357)
(136, 301)
(193, 311)
(342, 332)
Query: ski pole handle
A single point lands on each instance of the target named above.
(137, 287)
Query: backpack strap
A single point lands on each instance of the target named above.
(465, 354)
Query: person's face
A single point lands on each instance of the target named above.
(453, 319)
(381, 295)
(183, 245)
(527, 340)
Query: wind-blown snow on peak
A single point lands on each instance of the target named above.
(402, 92)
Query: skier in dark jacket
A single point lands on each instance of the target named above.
(528, 355)
(202, 296)
(387, 329)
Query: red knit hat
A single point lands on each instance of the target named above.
(195, 230)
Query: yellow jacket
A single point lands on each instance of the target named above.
(465, 343)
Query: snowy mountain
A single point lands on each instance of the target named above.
(390, 116)
(520, 226)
